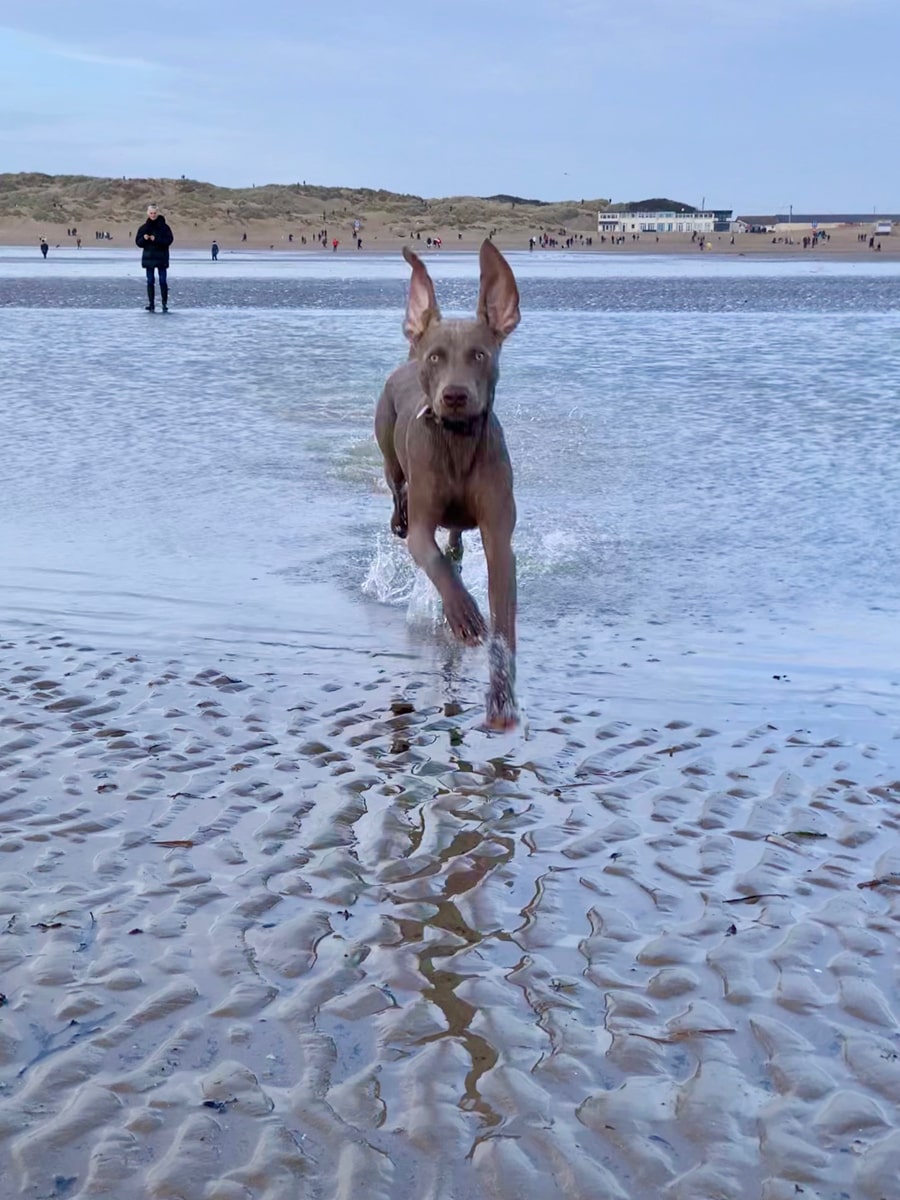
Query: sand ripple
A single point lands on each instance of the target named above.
(259, 943)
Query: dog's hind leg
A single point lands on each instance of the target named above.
(385, 420)
(396, 481)
(455, 546)
(397, 484)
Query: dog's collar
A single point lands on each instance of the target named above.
(463, 428)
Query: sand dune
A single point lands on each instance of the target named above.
(33, 206)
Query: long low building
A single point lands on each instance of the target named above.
(771, 222)
(714, 221)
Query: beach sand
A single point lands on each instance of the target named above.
(385, 237)
(267, 936)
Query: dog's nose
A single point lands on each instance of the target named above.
(454, 398)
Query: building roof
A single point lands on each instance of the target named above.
(671, 213)
(822, 218)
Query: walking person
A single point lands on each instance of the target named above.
(154, 238)
(215, 251)
(44, 247)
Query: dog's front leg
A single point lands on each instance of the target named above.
(496, 536)
(461, 611)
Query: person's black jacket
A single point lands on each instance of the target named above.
(155, 253)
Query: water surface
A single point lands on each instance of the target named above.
(278, 918)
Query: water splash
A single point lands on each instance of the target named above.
(393, 578)
(391, 574)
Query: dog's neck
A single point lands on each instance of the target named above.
(471, 427)
(456, 443)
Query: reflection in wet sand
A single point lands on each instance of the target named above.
(258, 938)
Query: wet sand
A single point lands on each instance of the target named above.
(270, 931)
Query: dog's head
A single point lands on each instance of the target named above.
(459, 361)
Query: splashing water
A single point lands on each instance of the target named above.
(392, 578)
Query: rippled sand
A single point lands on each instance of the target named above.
(266, 939)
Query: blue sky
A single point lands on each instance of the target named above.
(752, 104)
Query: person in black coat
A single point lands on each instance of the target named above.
(154, 238)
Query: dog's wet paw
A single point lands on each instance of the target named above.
(501, 711)
(465, 620)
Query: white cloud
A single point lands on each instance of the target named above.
(73, 53)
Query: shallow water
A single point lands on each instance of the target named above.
(268, 885)
(214, 473)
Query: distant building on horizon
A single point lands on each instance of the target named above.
(717, 220)
(771, 222)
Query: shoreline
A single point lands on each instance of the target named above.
(256, 253)
(843, 245)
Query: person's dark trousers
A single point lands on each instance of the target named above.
(163, 288)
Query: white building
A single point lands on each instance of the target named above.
(664, 222)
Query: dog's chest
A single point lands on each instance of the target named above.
(452, 481)
(458, 514)
(451, 473)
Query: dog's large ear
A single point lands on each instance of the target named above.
(498, 299)
(421, 307)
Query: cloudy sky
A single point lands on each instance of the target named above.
(752, 104)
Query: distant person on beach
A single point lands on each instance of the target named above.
(215, 251)
(334, 244)
(44, 247)
(154, 238)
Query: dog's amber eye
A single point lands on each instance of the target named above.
(434, 357)
(478, 356)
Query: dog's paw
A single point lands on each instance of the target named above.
(498, 718)
(501, 711)
(465, 619)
